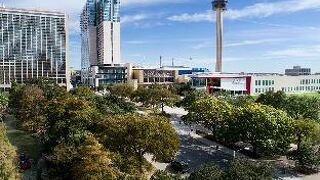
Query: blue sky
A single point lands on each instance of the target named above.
(260, 35)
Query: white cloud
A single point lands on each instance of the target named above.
(71, 6)
(204, 44)
(296, 52)
(256, 10)
(133, 18)
(150, 2)
(211, 44)
(253, 42)
(137, 42)
(268, 9)
(196, 17)
(74, 7)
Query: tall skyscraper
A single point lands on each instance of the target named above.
(100, 35)
(33, 44)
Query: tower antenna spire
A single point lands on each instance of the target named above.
(219, 6)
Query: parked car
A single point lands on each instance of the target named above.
(25, 163)
(180, 166)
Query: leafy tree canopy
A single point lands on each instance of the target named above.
(298, 107)
(122, 90)
(8, 164)
(163, 175)
(137, 135)
(244, 169)
(207, 172)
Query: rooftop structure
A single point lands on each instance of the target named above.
(31, 11)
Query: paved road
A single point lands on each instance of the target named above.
(198, 151)
(24, 143)
(194, 149)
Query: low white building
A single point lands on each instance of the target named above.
(288, 84)
(255, 83)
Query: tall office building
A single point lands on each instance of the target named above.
(33, 44)
(298, 71)
(100, 36)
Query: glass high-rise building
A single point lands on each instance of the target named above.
(33, 44)
(100, 41)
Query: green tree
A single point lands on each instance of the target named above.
(274, 99)
(135, 135)
(83, 92)
(207, 172)
(31, 111)
(163, 97)
(122, 90)
(307, 157)
(88, 160)
(15, 95)
(8, 163)
(163, 175)
(244, 169)
(298, 107)
(307, 132)
(49, 86)
(68, 120)
(210, 112)
(183, 89)
(142, 95)
(239, 101)
(156, 96)
(305, 107)
(93, 162)
(110, 104)
(267, 129)
(3, 104)
(190, 98)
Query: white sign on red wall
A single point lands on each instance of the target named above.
(233, 84)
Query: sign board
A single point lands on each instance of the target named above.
(233, 84)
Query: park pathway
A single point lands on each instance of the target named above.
(24, 143)
(202, 150)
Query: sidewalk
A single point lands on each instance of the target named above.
(176, 114)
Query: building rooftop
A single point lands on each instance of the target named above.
(161, 68)
(37, 11)
(236, 75)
